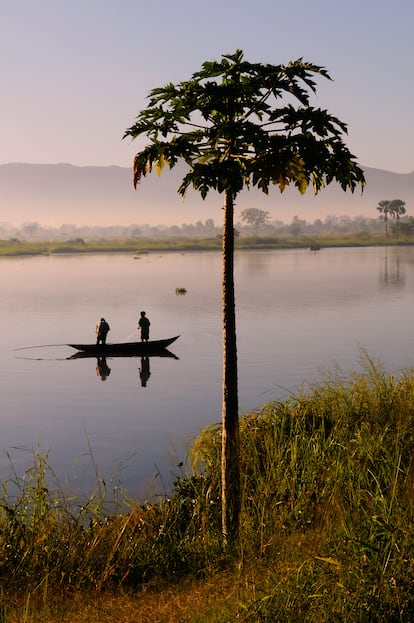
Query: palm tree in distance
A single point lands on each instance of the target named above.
(394, 208)
(383, 208)
(239, 125)
(397, 209)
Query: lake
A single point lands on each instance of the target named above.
(298, 313)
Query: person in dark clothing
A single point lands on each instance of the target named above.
(144, 325)
(102, 328)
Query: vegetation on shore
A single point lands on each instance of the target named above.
(15, 247)
(240, 125)
(326, 530)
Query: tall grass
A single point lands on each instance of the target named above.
(327, 521)
(328, 481)
(49, 538)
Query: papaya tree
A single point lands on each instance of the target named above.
(237, 125)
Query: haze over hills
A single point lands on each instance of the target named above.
(56, 194)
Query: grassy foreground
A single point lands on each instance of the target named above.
(327, 524)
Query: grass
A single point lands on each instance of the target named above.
(327, 523)
(15, 247)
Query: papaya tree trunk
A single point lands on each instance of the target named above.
(230, 455)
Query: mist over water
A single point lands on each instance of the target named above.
(297, 312)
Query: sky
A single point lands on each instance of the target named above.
(75, 73)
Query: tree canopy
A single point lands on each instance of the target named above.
(255, 217)
(394, 208)
(232, 126)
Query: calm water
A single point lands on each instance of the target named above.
(298, 312)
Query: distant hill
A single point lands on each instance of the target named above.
(54, 194)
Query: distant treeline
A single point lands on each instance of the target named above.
(35, 232)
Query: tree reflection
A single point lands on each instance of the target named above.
(392, 274)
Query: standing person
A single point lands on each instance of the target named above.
(102, 328)
(144, 325)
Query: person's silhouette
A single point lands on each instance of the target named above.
(144, 325)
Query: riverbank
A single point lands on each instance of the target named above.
(21, 248)
(326, 532)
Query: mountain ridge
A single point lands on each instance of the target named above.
(54, 194)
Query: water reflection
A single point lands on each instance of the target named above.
(254, 263)
(102, 368)
(392, 273)
(144, 371)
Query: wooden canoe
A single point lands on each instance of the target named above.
(125, 348)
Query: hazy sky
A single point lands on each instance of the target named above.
(76, 72)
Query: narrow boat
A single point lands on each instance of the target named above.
(125, 348)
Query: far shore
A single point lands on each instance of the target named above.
(11, 248)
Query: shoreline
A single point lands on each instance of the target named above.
(32, 249)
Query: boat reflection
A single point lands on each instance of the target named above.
(103, 370)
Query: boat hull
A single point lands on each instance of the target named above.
(125, 348)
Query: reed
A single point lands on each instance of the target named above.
(328, 483)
